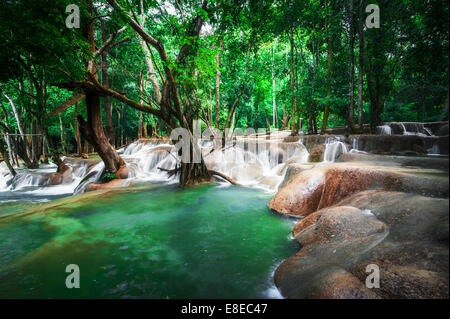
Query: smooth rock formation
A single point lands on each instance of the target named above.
(327, 184)
(388, 211)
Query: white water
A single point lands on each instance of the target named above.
(334, 147)
(262, 165)
(384, 130)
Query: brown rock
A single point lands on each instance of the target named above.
(316, 154)
(115, 183)
(123, 172)
(343, 285)
(301, 195)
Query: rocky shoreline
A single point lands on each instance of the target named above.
(388, 211)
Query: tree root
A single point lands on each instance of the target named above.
(212, 172)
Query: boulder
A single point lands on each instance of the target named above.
(115, 183)
(405, 235)
(316, 154)
(327, 184)
(123, 172)
(300, 195)
(443, 130)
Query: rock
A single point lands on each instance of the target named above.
(341, 284)
(293, 169)
(336, 223)
(290, 139)
(405, 235)
(301, 194)
(123, 172)
(393, 160)
(391, 143)
(327, 184)
(443, 130)
(437, 128)
(59, 177)
(316, 154)
(115, 183)
(270, 181)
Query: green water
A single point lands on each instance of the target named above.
(202, 242)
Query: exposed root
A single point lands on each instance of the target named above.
(225, 177)
(212, 172)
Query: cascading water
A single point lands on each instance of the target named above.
(41, 184)
(334, 147)
(251, 162)
(384, 130)
(256, 163)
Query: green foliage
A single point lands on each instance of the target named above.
(106, 177)
(407, 59)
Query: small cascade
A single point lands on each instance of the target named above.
(333, 149)
(384, 130)
(355, 146)
(144, 159)
(260, 163)
(404, 128)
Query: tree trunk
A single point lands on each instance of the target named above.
(360, 64)
(293, 132)
(444, 112)
(350, 110)
(104, 67)
(44, 150)
(218, 87)
(6, 160)
(141, 89)
(274, 103)
(19, 126)
(193, 173)
(92, 131)
(326, 112)
(77, 131)
(148, 60)
(61, 129)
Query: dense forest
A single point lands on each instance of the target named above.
(128, 68)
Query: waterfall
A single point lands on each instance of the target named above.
(333, 149)
(251, 162)
(384, 130)
(407, 128)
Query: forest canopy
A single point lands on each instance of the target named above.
(138, 68)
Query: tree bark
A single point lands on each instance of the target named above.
(77, 131)
(360, 64)
(105, 78)
(148, 60)
(291, 40)
(274, 103)
(350, 109)
(326, 112)
(92, 130)
(444, 109)
(19, 127)
(218, 87)
(61, 130)
(6, 159)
